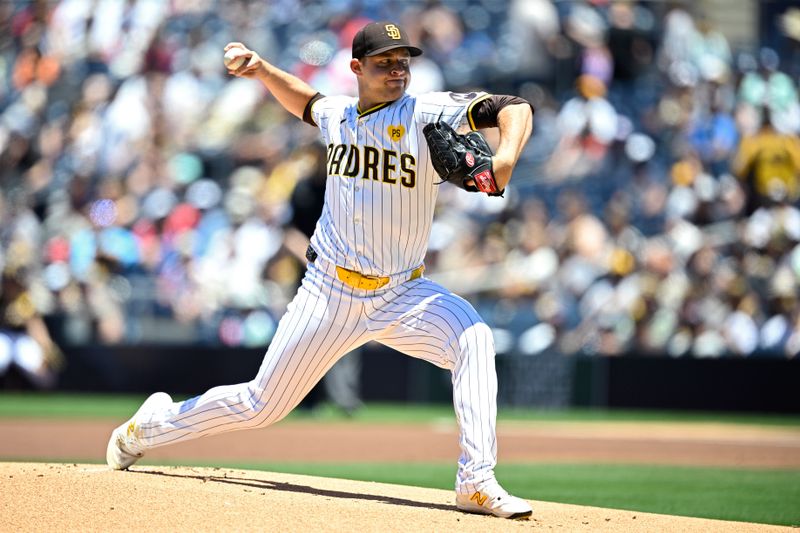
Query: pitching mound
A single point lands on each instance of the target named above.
(59, 497)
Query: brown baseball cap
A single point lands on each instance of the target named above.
(378, 37)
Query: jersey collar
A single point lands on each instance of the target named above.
(362, 114)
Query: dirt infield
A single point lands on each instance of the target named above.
(45, 497)
(645, 443)
(58, 497)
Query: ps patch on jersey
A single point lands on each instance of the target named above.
(396, 132)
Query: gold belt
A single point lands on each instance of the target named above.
(370, 283)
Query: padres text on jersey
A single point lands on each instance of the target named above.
(372, 163)
(380, 197)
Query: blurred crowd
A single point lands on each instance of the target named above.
(145, 195)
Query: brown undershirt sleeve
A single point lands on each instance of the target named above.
(484, 113)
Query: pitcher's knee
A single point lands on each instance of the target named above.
(475, 342)
(253, 400)
(480, 335)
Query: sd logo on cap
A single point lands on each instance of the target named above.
(378, 37)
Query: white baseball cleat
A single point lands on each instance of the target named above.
(124, 447)
(493, 499)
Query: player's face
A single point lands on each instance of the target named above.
(384, 77)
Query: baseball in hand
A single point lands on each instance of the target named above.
(235, 58)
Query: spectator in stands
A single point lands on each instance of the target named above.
(769, 87)
(712, 131)
(630, 46)
(768, 163)
(587, 125)
(28, 356)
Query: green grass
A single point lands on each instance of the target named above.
(63, 405)
(762, 496)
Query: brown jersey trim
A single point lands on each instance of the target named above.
(307, 116)
(372, 109)
(483, 112)
(472, 107)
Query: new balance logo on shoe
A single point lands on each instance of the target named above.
(479, 498)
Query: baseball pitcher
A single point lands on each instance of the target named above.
(388, 152)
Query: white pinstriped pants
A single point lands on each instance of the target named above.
(326, 320)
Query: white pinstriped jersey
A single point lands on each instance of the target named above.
(382, 189)
(379, 202)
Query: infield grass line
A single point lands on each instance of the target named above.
(64, 405)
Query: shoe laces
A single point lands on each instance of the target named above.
(495, 492)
